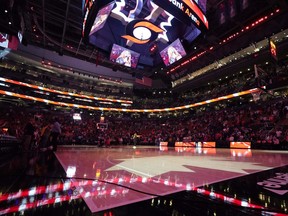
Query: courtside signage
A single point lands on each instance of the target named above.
(278, 184)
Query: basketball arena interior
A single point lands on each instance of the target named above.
(143, 107)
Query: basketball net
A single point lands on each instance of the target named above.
(256, 95)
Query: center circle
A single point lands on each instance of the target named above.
(142, 33)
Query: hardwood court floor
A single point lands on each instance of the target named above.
(150, 181)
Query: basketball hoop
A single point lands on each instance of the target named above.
(256, 96)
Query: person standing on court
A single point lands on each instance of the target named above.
(55, 132)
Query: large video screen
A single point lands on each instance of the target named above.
(77, 117)
(10, 41)
(4, 40)
(123, 56)
(101, 18)
(173, 53)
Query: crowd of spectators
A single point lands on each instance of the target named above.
(264, 124)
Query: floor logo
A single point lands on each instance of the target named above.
(276, 184)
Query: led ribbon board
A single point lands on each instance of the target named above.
(186, 11)
(27, 97)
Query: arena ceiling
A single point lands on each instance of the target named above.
(57, 25)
